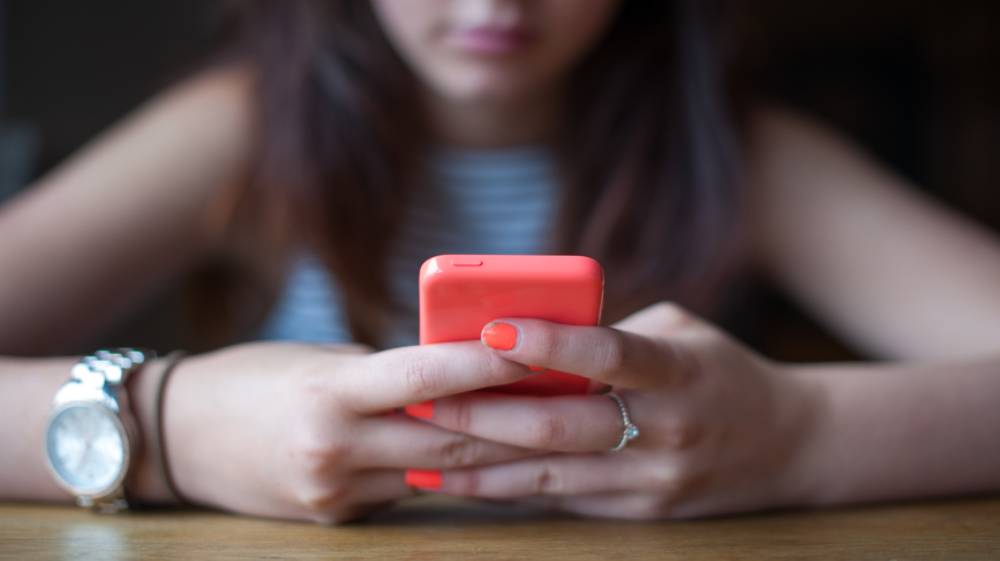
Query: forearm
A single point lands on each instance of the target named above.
(893, 431)
(26, 391)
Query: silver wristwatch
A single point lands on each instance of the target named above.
(92, 437)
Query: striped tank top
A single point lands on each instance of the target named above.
(477, 201)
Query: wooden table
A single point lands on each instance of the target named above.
(433, 528)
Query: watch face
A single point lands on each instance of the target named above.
(86, 448)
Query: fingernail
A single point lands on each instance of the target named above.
(427, 479)
(499, 335)
(424, 410)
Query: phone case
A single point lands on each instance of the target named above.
(459, 294)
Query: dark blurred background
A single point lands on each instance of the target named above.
(915, 83)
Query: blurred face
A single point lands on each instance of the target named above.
(493, 50)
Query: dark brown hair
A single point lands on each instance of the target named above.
(647, 148)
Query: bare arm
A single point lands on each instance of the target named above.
(319, 444)
(87, 242)
(903, 278)
(895, 431)
(123, 217)
(724, 430)
(890, 270)
(26, 391)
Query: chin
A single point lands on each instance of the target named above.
(490, 88)
(473, 94)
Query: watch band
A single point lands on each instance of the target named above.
(109, 369)
(110, 366)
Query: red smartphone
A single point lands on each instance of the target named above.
(460, 294)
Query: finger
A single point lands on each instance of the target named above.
(406, 375)
(582, 423)
(401, 442)
(608, 355)
(664, 318)
(554, 474)
(379, 486)
(337, 502)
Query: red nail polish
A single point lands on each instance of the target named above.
(499, 335)
(423, 410)
(428, 479)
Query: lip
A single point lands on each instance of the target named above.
(490, 40)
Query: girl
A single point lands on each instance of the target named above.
(341, 142)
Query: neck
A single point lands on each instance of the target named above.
(493, 124)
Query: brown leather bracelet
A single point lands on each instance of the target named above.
(169, 363)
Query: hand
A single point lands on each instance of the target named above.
(720, 426)
(308, 432)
